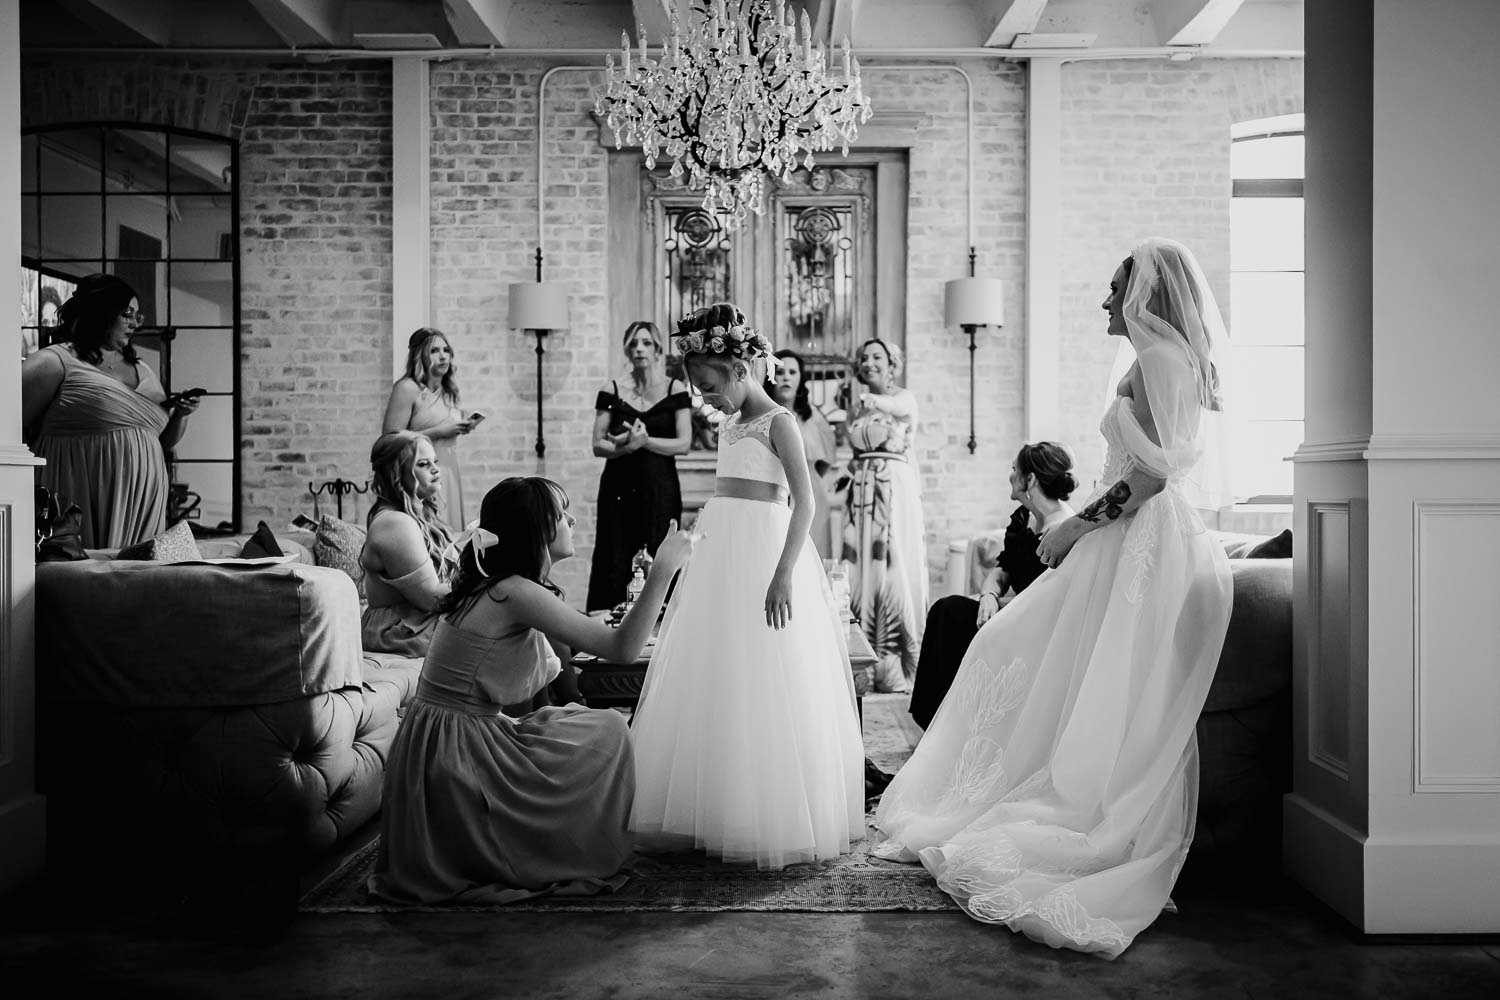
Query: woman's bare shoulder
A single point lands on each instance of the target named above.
(43, 362)
(405, 387)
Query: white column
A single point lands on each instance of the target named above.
(411, 218)
(1043, 248)
(22, 812)
(1394, 818)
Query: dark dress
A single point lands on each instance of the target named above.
(639, 494)
(952, 621)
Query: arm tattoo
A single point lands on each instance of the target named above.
(1111, 505)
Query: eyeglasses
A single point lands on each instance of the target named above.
(133, 316)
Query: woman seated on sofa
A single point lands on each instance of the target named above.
(405, 537)
(1041, 478)
(482, 806)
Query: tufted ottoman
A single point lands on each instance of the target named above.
(198, 710)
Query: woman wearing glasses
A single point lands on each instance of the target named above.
(100, 417)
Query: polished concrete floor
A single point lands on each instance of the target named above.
(1265, 939)
(1254, 936)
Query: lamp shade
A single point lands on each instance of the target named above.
(974, 302)
(538, 305)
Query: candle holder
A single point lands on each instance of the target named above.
(338, 489)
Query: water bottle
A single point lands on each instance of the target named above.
(838, 582)
(635, 586)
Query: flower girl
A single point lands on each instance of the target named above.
(747, 743)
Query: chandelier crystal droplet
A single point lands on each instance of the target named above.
(735, 95)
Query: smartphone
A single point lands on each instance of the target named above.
(475, 418)
(178, 397)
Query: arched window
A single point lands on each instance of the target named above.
(1266, 297)
(158, 207)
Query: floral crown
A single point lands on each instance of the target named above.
(738, 341)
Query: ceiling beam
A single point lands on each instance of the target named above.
(1192, 22)
(306, 22)
(132, 22)
(1000, 21)
(479, 22)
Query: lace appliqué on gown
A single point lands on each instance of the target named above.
(979, 772)
(980, 876)
(737, 430)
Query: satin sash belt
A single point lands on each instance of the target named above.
(750, 489)
(879, 454)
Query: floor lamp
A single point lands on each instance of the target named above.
(971, 303)
(539, 306)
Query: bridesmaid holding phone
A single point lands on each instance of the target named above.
(426, 399)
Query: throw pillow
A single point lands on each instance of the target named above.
(337, 544)
(1277, 547)
(171, 546)
(261, 544)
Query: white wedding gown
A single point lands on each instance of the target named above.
(747, 742)
(1055, 790)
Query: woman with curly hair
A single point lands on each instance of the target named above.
(405, 538)
(426, 399)
(883, 527)
(101, 418)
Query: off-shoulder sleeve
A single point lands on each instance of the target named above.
(1172, 393)
(606, 401)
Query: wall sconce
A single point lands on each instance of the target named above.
(539, 306)
(971, 303)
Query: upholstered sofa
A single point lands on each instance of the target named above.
(1244, 732)
(208, 710)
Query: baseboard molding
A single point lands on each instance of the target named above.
(23, 831)
(1432, 886)
(1389, 889)
(1325, 856)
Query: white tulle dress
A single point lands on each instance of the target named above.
(747, 742)
(1055, 790)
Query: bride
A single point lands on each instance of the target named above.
(1055, 790)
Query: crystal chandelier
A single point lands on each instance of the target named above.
(733, 97)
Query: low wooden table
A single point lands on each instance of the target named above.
(611, 684)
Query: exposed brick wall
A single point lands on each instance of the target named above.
(484, 188)
(484, 215)
(315, 245)
(961, 491)
(1145, 151)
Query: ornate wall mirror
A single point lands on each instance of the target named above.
(821, 271)
(159, 207)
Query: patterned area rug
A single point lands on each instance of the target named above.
(690, 881)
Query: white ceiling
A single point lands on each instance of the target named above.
(1025, 27)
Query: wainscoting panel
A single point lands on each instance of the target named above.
(1456, 638)
(1328, 681)
(22, 811)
